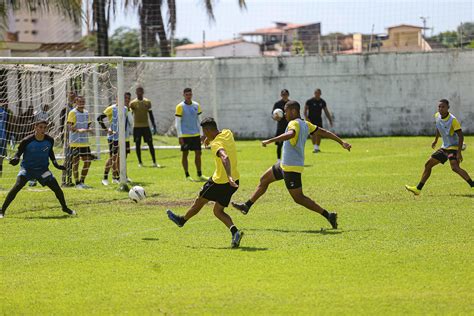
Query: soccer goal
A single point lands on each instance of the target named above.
(33, 89)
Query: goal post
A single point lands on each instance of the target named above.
(104, 81)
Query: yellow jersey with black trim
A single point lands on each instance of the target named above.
(224, 140)
(447, 128)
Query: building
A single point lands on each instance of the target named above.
(41, 34)
(286, 38)
(405, 38)
(227, 48)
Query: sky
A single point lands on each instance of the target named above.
(335, 16)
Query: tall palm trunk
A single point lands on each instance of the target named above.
(100, 18)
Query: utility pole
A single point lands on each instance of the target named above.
(424, 18)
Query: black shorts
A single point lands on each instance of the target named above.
(220, 193)
(442, 155)
(191, 143)
(318, 121)
(114, 147)
(292, 179)
(139, 132)
(81, 151)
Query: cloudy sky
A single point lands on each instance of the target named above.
(336, 15)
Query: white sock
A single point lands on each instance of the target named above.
(316, 146)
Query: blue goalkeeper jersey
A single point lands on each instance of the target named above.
(36, 153)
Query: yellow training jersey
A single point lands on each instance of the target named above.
(298, 144)
(140, 110)
(224, 140)
(455, 126)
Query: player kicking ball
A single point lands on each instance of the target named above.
(292, 163)
(222, 185)
(36, 149)
(449, 128)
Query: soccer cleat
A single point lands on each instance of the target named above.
(190, 179)
(315, 151)
(32, 183)
(156, 165)
(413, 189)
(69, 211)
(82, 186)
(105, 182)
(140, 165)
(203, 178)
(68, 185)
(242, 207)
(2, 215)
(332, 219)
(115, 181)
(236, 238)
(178, 220)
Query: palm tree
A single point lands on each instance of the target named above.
(70, 8)
(152, 23)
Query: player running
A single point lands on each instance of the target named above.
(449, 128)
(291, 165)
(36, 149)
(222, 185)
(313, 112)
(189, 134)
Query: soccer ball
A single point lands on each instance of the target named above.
(464, 146)
(277, 114)
(137, 193)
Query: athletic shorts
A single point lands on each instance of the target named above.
(220, 193)
(191, 143)
(81, 151)
(42, 176)
(114, 147)
(292, 179)
(139, 132)
(442, 155)
(318, 121)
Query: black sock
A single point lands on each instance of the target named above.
(199, 173)
(249, 203)
(78, 182)
(325, 214)
(106, 176)
(186, 173)
(233, 229)
(420, 185)
(471, 183)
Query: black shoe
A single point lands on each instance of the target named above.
(332, 218)
(242, 207)
(178, 220)
(236, 238)
(69, 211)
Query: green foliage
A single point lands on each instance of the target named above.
(393, 254)
(125, 42)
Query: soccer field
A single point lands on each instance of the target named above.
(393, 254)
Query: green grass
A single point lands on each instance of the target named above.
(393, 254)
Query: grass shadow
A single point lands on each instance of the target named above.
(249, 249)
(322, 231)
(50, 217)
(465, 195)
(150, 239)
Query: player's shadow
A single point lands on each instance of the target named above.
(465, 195)
(150, 239)
(321, 231)
(65, 216)
(242, 248)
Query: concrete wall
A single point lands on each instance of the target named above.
(369, 95)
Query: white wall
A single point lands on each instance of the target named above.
(369, 95)
(238, 49)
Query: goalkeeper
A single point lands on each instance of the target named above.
(36, 149)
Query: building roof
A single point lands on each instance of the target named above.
(278, 29)
(405, 25)
(210, 44)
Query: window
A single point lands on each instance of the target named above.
(34, 20)
(34, 32)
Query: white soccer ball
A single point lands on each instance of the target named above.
(137, 193)
(464, 146)
(278, 114)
